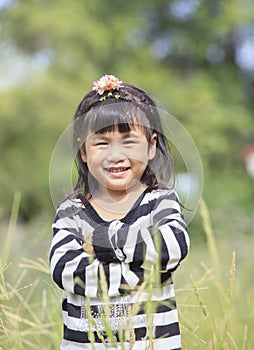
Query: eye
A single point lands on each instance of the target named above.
(129, 142)
(101, 144)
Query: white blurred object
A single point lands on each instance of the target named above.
(187, 185)
(248, 155)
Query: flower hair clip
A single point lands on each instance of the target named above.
(107, 83)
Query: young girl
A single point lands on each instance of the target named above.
(120, 236)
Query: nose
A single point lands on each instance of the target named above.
(115, 152)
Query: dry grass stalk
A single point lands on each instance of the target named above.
(200, 302)
(39, 265)
(245, 337)
(232, 276)
(209, 235)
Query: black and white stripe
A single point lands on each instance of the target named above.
(153, 233)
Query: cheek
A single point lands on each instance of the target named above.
(95, 158)
(141, 153)
(140, 160)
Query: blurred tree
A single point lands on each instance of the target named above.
(195, 56)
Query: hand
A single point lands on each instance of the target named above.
(88, 245)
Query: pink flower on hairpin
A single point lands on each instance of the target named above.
(107, 83)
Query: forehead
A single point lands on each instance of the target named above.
(133, 132)
(121, 116)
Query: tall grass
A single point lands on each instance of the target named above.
(29, 313)
(213, 289)
(216, 307)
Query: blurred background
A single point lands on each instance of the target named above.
(196, 57)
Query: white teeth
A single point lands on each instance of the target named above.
(117, 170)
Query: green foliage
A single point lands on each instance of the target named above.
(188, 63)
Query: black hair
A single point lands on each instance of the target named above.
(121, 110)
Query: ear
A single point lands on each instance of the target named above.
(152, 146)
(83, 154)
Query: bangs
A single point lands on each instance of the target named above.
(116, 116)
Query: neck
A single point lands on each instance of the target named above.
(112, 205)
(114, 196)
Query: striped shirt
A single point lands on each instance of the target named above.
(136, 256)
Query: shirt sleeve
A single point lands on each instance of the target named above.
(104, 247)
(169, 233)
(105, 243)
(72, 269)
(165, 241)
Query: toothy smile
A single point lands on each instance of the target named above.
(117, 170)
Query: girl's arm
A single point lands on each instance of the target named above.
(168, 243)
(73, 266)
(164, 241)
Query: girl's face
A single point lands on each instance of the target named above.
(118, 160)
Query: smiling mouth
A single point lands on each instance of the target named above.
(117, 170)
